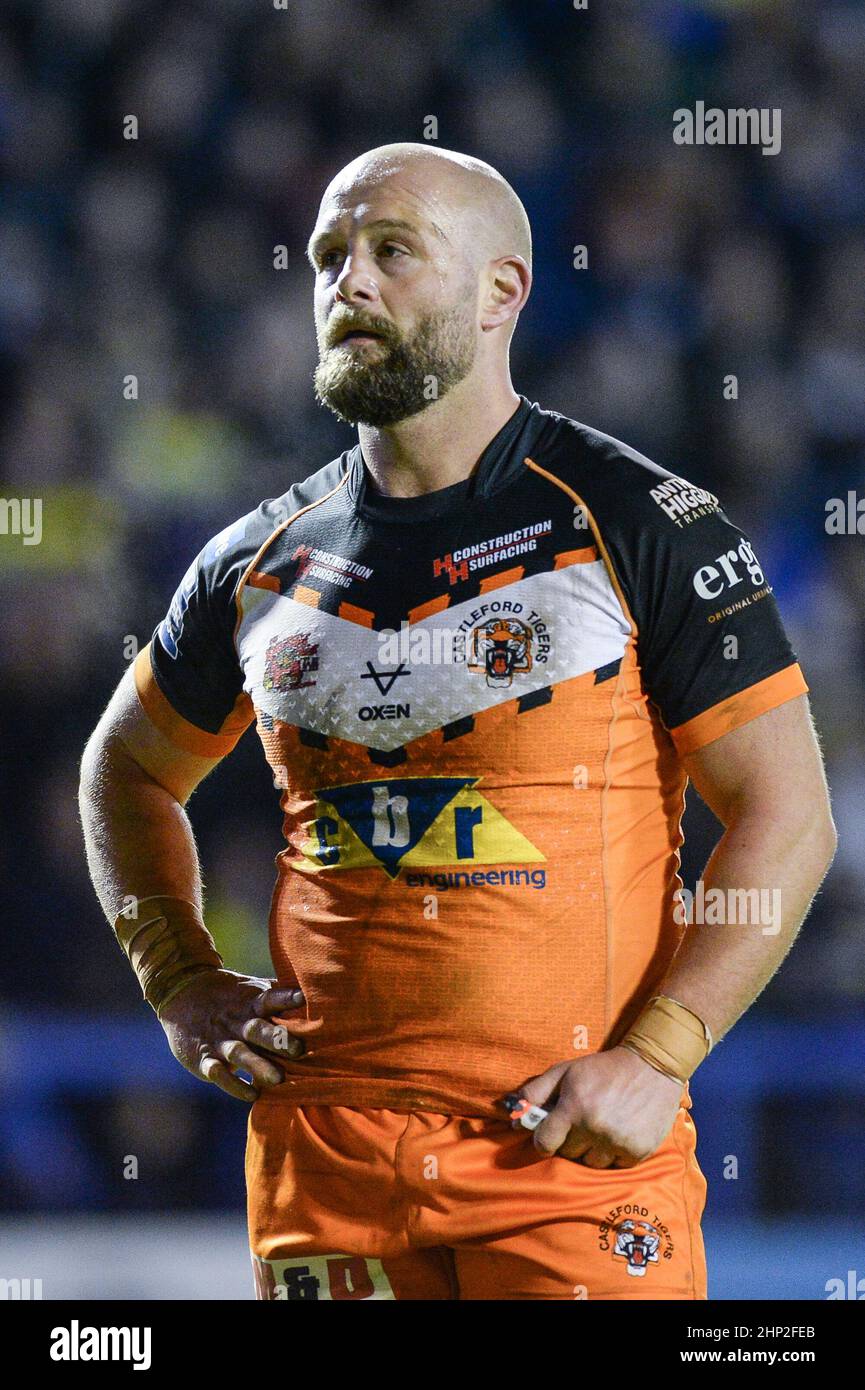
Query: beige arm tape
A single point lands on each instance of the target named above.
(167, 944)
(670, 1038)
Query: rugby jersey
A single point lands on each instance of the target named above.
(475, 703)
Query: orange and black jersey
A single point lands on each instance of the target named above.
(476, 702)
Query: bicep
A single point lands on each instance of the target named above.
(126, 725)
(770, 765)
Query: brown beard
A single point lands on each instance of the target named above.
(403, 376)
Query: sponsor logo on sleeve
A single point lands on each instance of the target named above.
(726, 572)
(682, 502)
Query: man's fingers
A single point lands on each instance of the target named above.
(213, 1070)
(552, 1132)
(272, 1037)
(598, 1156)
(540, 1088)
(239, 1057)
(278, 1001)
(577, 1141)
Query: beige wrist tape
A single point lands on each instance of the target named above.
(670, 1038)
(167, 944)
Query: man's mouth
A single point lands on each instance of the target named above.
(358, 335)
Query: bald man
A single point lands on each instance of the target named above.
(484, 650)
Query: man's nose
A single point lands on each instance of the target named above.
(355, 284)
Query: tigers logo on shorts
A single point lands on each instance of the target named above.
(637, 1242)
(636, 1234)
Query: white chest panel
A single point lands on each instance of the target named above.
(310, 668)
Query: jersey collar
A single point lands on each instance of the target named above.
(498, 464)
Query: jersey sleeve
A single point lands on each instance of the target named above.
(189, 679)
(712, 647)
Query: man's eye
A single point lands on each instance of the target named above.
(391, 249)
(328, 258)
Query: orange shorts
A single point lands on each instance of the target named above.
(383, 1204)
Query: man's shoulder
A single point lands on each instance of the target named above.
(617, 482)
(230, 551)
(600, 456)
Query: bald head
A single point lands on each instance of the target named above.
(422, 265)
(469, 203)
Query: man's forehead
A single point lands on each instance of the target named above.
(397, 198)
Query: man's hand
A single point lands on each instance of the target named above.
(612, 1111)
(221, 1024)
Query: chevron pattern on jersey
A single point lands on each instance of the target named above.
(338, 678)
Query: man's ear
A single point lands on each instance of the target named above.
(508, 282)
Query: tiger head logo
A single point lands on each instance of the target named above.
(499, 649)
(637, 1242)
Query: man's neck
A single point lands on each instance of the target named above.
(440, 445)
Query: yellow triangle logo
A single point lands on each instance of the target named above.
(468, 831)
(493, 839)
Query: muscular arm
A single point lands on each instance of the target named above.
(134, 785)
(139, 842)
(765, 783)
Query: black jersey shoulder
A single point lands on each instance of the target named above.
(622, 488)
(217, 570)
(705, 619)
(192, 652)
(648, 518)
(227, 556)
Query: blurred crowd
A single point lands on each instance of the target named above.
(155, 366)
